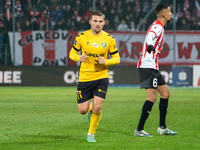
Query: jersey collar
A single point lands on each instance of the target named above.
(158, 22)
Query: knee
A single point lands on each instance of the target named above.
(82, 111)
(166, 95)
(97, 109)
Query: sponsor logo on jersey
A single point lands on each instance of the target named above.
(95, 45)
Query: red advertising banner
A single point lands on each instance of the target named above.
(51, 48)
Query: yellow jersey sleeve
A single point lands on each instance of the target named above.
(76, 48)
(115, 59)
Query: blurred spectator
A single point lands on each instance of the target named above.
(18, 27)
(127, 11)
(169, 25)
(82, 25)
(86, 18)
(2, 26)
(18, 8)
(52, 5)
(194, 23)
(180, 20)
(111, 15)
(34, 15)
(8, 16)
(107, 26)
(78, 7)
(186, 7)
(137, 11)
(74, 22)
(184, 25)
(56, 15)
(116, 22)
(41, 6)
(22, 19)
(78, 17)
(41, 21)
(8, 4)
(28, 26)
(146, 8)
(67, 11)
(60, 25)
(125, 3)
(47, 14)
(122, 26)
(28, 7)
(130, 21)
(105, 11)
(88, 12)
(69, 25)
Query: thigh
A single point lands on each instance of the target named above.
(163, 90)
(100, 89)
(97, 104)
(85, 91)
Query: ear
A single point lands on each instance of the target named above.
(104, 22)
(163, 14)
(90, 22)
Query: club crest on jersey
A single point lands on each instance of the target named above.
(103, 45)
(95, 45)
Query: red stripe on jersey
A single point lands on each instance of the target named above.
(27, 50)
(162, 41)
(158, 39)
(145, 52)
(154, 33)
(139, 62)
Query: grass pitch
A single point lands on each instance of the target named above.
(47, 118)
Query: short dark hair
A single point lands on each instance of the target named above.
(97, 13)
(160, 7)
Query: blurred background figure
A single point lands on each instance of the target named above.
(122, 26)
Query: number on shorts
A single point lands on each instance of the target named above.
(155, 82)
(79, 95)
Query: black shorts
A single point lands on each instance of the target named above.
(86, 90)
(150, 78)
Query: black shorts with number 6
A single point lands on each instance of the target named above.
(150, 78)
(86, 90)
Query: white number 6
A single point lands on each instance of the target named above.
(154, 82)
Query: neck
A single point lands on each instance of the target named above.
(96, 33)
(162, 20)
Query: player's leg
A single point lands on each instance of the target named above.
(148, 81)
(84, 95)
(99, 95)
(163, 106)
(146, 109)
(84, 107)
(95, 116)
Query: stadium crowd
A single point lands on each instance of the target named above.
(121, 15)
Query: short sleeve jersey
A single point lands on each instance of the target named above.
(147, 60)
(94, 45)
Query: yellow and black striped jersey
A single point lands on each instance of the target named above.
(94, 45)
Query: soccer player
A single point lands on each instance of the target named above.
(95, 45)
(150, 77)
